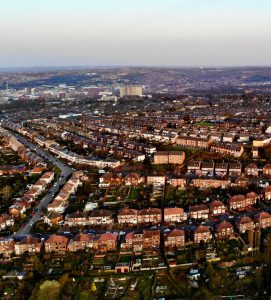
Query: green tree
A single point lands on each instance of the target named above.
(49, 289)
(93, 287)
(6, 192)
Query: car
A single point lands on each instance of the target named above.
(31, 223)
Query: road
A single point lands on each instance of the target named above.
(66, 171)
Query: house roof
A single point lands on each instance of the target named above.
(108, 237)
(223, 225)
(202, 229)
(128, 212)
(57, 239)
(173, 210)
(216, 203)
(176, 232)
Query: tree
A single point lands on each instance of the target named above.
(49, 289)
(93, 287)
(6, 192)
(63, 280)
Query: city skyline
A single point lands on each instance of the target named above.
(145, 33)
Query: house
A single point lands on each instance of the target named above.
(29, 244)
(235, 169)
(193, 166)
(255, 152)
(229, 138)
(251, 198)
(221, 169)
(134, 179)
(267, 193)
(81, 241)
(237, 202)
(217, 208)
(263, 220)
(205, 183)
(267, 170)
(17, 209)
(53, 218)
(56, 243)
(108, 179)
(244, 224)
(224, 230)
(169, 157)
(200, 211)
(11, 170)
(58, 205)
(251, 170)
(101, 217)
(6, 246)
(105, 242)
(127, 216)
(207, 168)
(6, 221)
(137, 241)
(174, 214)
(151, 239)
(194, 142)
(161, 180)
(235, 150)
(202, 233)
(149, 215)
(179, 182)
(242, 181)
(175, 239)
(77, 219)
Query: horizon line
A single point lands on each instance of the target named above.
(61, 67)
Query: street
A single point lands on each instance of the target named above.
(43, 204)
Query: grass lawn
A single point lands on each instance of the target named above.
(133, 194)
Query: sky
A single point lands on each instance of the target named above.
(135, 33)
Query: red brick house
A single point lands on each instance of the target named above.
(267, 193)
(202, 233)
(6, 246)
(205, 183)
(56, 243)
(244, 224)
(134, 179)
(174, 239)
(267, 170)
(235, 169)
(174, 214)
(101, 217)
(242, 181)
(178, 182)
(217, 208)
(251, 170)
(128, 216)
(237, 202)
(149, 215)
(148, 239)
(77, 219)
(200, 211)
(251, 198)
(81, 241)
(105, 242)
(263, 220)
(53, 218)
(224, 230)
(28, 244)
(6, 221)
(108, 179)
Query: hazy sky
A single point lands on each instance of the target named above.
(135, 32)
